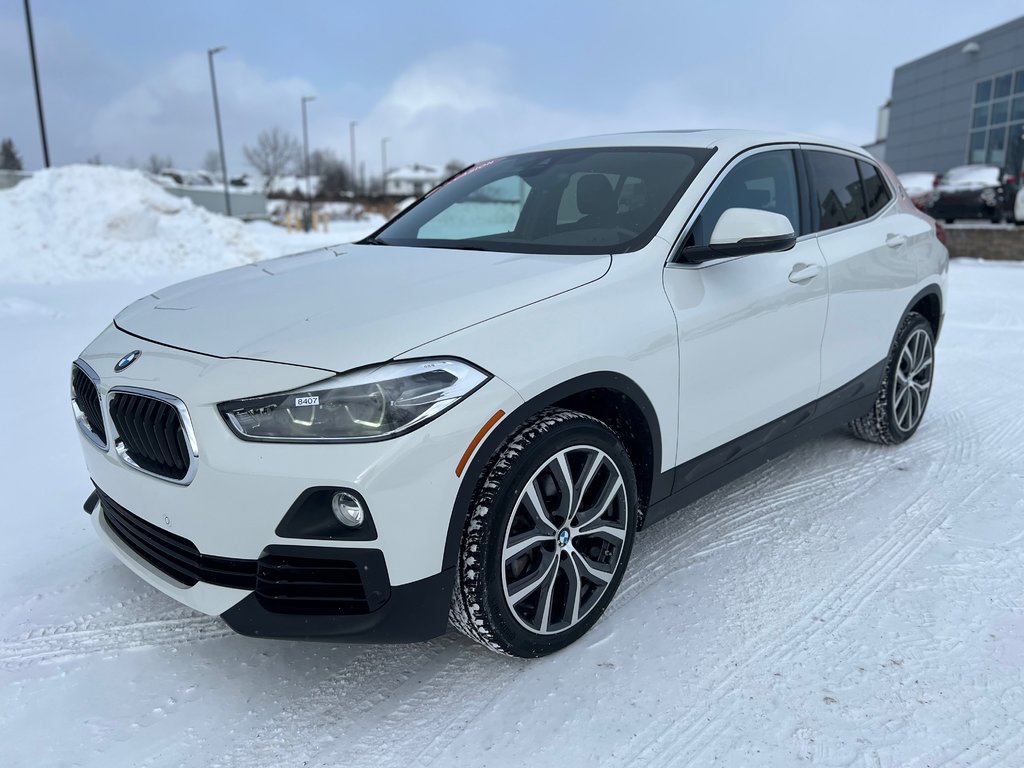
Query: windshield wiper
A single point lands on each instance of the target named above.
(371, 240)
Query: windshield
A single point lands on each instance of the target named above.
(581, 201)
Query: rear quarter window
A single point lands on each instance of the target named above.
(876, 193)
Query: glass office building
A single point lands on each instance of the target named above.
(962, 104)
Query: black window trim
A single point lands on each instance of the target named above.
(675, 258)
(813, 190)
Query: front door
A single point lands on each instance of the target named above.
(749, 328)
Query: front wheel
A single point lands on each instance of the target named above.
(548, 536)
(906, 385)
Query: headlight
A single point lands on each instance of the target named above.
(368, 404)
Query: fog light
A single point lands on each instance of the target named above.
(348, 509)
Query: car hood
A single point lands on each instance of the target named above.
(348, 306)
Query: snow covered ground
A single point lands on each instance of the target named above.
(845, 605)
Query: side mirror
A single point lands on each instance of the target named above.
(743, 231)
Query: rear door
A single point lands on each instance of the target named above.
(868, 244)
(749, 328)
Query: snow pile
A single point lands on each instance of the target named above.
(84, 222)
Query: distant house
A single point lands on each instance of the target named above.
(413, 179)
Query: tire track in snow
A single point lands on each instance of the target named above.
(464, 690)
(84, 637)
(736, 514)
(383, 695)
(985, 427)
(667, 741)
(999, 748)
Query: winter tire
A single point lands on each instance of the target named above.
(906, 385)
(548, 536)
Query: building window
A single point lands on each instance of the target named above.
(996, 146)
(1002, 89)
(976, 153)
(992, 139)
(980, 119)
(1000, 112)
(1017, 113)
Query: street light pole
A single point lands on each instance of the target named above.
(352, 145)
(384, 165)
(220, 136)
(35, 79)
(305, 152)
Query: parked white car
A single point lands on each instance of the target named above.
(1018, 207)
(919, 186)
(471, 413)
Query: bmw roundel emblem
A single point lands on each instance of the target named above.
(127, 360)
(563, 537)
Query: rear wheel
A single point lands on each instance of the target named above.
(548, 536)
(906, 385)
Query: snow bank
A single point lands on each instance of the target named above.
(85, 222)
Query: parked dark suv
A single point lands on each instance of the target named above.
(974, 192)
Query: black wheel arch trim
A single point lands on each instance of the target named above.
(660, 482)
(932, 289)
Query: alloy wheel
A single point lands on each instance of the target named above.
(913, 380)
(564, 539)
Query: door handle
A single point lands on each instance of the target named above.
(803, 272)
(895, 241)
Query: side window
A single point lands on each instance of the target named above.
(839, 190)
(491, 210)
(875, 191)
(765, 181)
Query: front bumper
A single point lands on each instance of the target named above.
(301, 593)
(240, 492)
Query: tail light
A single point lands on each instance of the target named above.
(940, 233)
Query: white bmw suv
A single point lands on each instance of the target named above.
(469, 415)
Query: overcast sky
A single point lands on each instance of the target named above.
(124, 79)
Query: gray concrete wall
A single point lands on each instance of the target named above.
(244, 205)
(996, 243)
(932, 99)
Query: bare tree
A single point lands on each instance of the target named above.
(275, 154)
(321, 161)
(10, 160)
(157, 163)
(211, 162)
(335, 179)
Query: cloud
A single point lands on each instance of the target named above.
(171, 111)
(466, 102)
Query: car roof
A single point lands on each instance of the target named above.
(728, 140)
